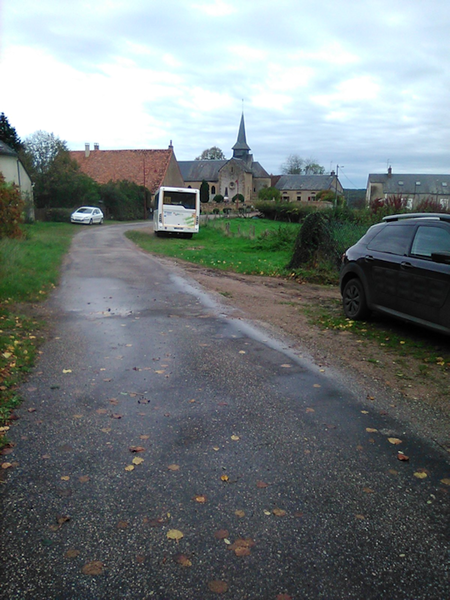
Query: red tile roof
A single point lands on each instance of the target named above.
(144, 167)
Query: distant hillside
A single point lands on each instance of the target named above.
(355, 198)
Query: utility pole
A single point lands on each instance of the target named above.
(336, 185)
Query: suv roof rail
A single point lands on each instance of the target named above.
(440, 216)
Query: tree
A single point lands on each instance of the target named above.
(8, 134)
(204, 192)
(213, 153)
(269, 193)
(295, 165)
(59, 183)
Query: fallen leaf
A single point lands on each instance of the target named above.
(144, 437)
(140, 559)
(116, 416)
(174, 534)
(310, 410)
(101, 411)
(200, 499)
(371, 430)
(261, 484)
(136, 449)
(31, 410)
(241, 547)
(71, 553)
(84, 479)
(360, 517)
(316, 385)
(93, 568)
(113, 401)
(283, 597)
(129, 468)
(239, 513)
(221, 534)
(174, 467)
(6, 465)
(235, 438)
(368, 490)
(394, 441)
(446, 481)
(279, 512)
(65, 478)
(420, 475)
(137, 460)
(183, 560)
(218, 587)
(106, 429)
(122, 524)
(402, 457)
(224, 478)
(286, 366)
(67, 370)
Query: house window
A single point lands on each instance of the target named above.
(213, 190)
(299, 198)
(285, 198)
(232, 170)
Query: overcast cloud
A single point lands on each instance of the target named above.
(346, 82)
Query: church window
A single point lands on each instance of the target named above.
(213, 189)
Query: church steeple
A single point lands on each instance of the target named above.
(241, 149)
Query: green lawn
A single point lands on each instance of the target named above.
(29, 269)
(251, 246)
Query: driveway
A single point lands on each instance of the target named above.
(169, 449)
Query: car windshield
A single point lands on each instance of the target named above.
(84, 210)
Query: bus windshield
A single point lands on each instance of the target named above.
(185, 199)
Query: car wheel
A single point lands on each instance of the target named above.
(354, 300)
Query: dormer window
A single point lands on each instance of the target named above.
(400, 183)
(444, 184)
(417, 182)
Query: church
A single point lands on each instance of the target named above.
(238, 175)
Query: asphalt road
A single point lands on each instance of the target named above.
(282, 482)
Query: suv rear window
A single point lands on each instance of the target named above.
(393, 239)
(429, 240)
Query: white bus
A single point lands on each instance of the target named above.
(176, 211)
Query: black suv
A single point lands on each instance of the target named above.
(401, 267)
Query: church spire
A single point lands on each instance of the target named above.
(241, 149)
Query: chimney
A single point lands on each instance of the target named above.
(333, 173)
(170, 145)
(96, 147)
(389, 171)
(87, 150)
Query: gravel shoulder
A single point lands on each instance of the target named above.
(395, 383)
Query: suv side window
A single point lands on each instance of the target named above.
(393, 239)
(429, 240)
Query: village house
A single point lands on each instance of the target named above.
(412, 188)
(238, 175)
(148, 168)
(305, 188)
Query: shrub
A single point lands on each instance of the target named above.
(216, 211)
(291, 212)
(226, 211)
(281, 239)
(11, 210)
(218, 198)
(238, 198)
(269, 194)
(313, 241)
(58, 215)
(430, 205)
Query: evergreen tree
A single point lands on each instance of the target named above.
(8, 134)
(204, 191)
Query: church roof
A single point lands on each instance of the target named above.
(199, 170)
(241, 143)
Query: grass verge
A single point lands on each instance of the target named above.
(29, 270)
(250, 246)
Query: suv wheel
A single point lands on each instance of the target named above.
(354, 300)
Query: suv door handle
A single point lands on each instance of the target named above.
(405, 265)
(368, 258)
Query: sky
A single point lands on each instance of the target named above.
(359, 84)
